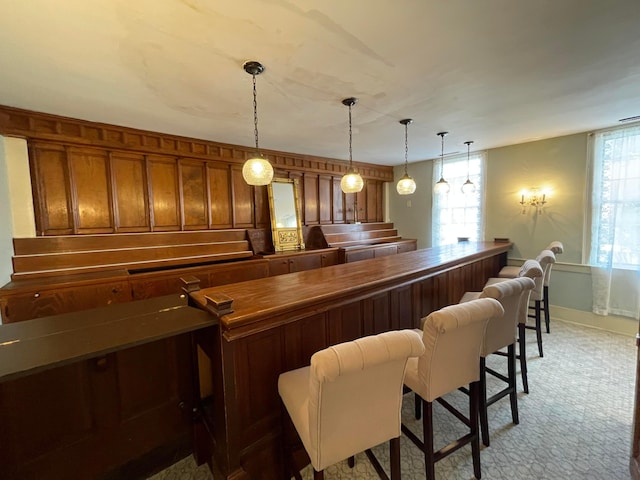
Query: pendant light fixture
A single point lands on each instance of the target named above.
(406, 185)
(256, 170)
(468, 187)
(441, 186)
(351, 182)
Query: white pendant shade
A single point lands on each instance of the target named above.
(442, 186)
(257, 171)
(351, 182)
(406, 185)
(468, 187)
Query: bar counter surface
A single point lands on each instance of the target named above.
(272, 325)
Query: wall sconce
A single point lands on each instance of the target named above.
(533, 198)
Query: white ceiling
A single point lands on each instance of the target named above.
(497, 72)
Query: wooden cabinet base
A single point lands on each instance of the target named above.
(99, 415)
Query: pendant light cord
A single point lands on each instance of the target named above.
(350, 139)
(441, 156)
(468, 154)
(255, 113)
(406, 149)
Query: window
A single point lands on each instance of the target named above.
(456, 214)
(615, 200)
(614, 253)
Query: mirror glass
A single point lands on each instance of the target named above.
(284, 204)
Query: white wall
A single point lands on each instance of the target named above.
(6, 231)
(16, 200)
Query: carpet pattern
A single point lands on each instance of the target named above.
(574, 424)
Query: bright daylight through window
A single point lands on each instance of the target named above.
(615, 222)
(456, 214)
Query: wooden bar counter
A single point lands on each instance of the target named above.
(272, 325)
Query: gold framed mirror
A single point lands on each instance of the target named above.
(284, 206)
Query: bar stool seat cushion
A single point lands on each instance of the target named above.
(349, 399)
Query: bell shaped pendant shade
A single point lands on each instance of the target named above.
(468, 187)
(351, 182)
(256, 170)
(441, 186)
(406, 185)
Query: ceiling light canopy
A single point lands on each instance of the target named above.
(352, 181)
(406, 185)
(442, 186)
(256, 170)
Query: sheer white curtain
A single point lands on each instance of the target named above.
(614, 252)
(456, 214)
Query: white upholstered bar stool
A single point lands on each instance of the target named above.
(500, 333)
(349, 399)
(453, 339)
(557, 248)
(530, 269)
(545, 261)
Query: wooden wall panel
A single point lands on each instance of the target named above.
(193, 184)
(36, 409)
(379, 201)
(376, 314)
(91, 190)
(325, 189)
(263, 363)
(349, 207)
(402, 308)
(302, 339)
(242, 200)
(338, 209)
(361, 203)
(345, 323)
(220, 195)
(163, 181)
(131, 200)
(372, 202)
(81, 188)
(311, 198)
(261, 202)
(52, 199)
(138, 391)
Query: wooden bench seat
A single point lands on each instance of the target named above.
(65, 255)
(365, 240)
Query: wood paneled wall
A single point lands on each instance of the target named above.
(95, 178)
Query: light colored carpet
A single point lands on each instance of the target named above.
(575, 423)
